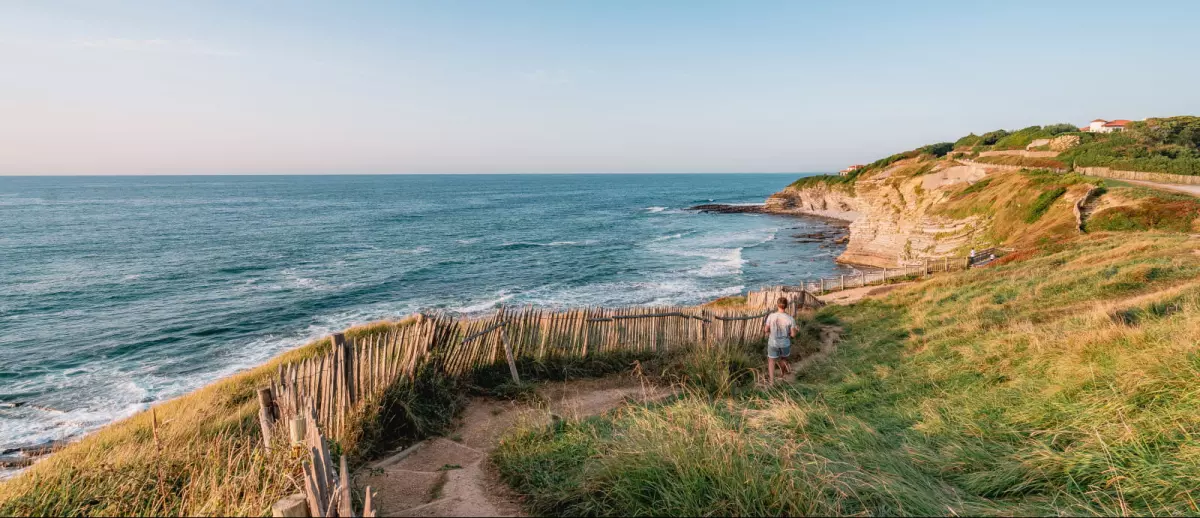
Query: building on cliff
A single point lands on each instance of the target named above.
(1103, 126)
(851, 169)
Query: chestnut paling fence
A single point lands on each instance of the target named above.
(808, 289)
(325, 397)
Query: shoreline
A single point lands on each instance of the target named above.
(21, 456)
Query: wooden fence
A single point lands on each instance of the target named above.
(328, 393)
(354, 373)
(767, 296)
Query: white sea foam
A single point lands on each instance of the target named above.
(655, 209)
(488, 305)
(664, 238)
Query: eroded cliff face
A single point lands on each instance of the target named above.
(889, 212)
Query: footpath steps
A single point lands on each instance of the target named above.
(444, 477)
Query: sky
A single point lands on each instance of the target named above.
(500, 86)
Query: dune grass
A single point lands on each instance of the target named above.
(199, 454)
(1064, 383)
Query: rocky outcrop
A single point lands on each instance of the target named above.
(724, 208)
(890, 212)
(1064, 142)
(818, 200)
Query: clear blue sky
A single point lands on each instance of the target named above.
(98, 87)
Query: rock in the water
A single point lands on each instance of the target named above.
(721, 208)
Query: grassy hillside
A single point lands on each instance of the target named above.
(199, 454)
(1060, 382)
(1161, 145)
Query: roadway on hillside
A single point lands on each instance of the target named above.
(1193, 190)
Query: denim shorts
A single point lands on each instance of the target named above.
(775, 352)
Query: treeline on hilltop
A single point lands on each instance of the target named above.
(1157, 145)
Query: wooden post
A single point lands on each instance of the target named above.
(296, 430)
(508, 353)
(345, 505)
(862, 278)
(291, 506)
(843, 283)
(945, 264)
(266, 414)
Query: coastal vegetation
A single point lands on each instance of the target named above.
(1162, 145)
(1059, 383)
(202, 454)
(1058, 380)
(1141, 209)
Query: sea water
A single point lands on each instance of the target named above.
(118, 292)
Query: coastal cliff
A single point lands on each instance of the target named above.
(893, 212)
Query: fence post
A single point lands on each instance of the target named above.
(290, 506)
(508, 354)
(296, 430)
(266, 414)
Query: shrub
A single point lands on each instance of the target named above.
(970, 140)
(1170, 145)
(1056, 129)
(992, 137)
(938, 150)
(1020, 139)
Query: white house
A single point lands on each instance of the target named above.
(851, 169)
(1103, 126)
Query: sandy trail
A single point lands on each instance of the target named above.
(1194, 190)
(444, 477)
(454, 477)
(853, 295)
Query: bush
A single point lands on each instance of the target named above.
(992, 137)
(1020, 139)
(938, 150)
(1170, 145)
(970, 140)
(1056, 129)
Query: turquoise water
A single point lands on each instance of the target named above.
(116, 292)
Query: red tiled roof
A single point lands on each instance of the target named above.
(1085, 128)
(1118, 122)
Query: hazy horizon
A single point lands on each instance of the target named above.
(136, 88)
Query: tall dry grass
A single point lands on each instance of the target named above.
(1061, 384)
(199, 454)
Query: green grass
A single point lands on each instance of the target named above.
(1063, 383)
(1048, 163)
(1042, 204)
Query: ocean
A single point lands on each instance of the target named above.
(118, 292)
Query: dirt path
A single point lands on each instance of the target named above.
(1194, 190)
(453, 477)
(853, 295)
